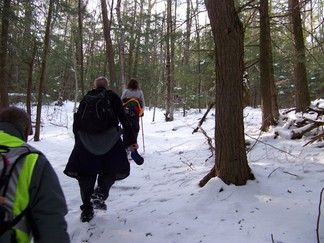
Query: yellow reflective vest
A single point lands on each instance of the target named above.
(16, 199)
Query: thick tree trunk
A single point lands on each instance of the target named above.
(231, 164)
(302, 97)
(265, 67)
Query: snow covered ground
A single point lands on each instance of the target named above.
(161, 202)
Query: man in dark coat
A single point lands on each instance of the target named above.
(100, 157)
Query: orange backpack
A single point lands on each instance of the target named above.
(133, 106)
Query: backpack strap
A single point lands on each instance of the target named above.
(9, 224)
(7, 177)
(5, 161)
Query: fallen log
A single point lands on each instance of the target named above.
(300, 132)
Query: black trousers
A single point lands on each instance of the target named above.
(134, 120)
(87, 184)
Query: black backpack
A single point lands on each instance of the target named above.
(95, 113)
(6, 223)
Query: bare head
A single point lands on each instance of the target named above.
(101, 82)
(19, 118)
(133, 84)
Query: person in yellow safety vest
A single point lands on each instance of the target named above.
(33, 187)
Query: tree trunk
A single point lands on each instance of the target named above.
(149, 53)
(109, 46)
(265, 67)
(302, 97)
(132, 38)
(47, 40)
(274, 94)
(75, 76)
(30, 50)
(121, 46)
(198, 63)
(169, 73)
(30, 77)
(231, 164)
(138, 37)
(81, 61)
(89, 63)
(186, 54)
(4, 55)
(161, 72)
(172, 60)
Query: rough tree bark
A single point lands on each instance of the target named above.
(302, 97)
(231, 163)
(265, 68)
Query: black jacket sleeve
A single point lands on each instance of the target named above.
(121, 115)
(75, 127)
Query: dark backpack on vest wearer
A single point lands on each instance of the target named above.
(95, 113)
(5, 223)
(133, 107)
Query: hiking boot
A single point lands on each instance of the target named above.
(86, 214)
(98, 200)
(99, 204)
(139, 160)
